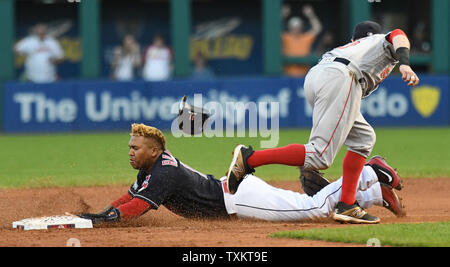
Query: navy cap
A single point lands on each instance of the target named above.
(366, 28)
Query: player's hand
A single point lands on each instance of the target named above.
(112, 216)
(408, 75)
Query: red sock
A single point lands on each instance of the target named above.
(352, 168)
(292, 155)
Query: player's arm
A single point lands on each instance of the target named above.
(134, 208)
(402, 47)
(115, 204)
(128, 210)
(110, 213)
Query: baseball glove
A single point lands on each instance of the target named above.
(191, 119)
(312, 181)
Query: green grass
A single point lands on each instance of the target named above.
(89, 159)
(403, 235)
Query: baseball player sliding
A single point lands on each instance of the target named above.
(164, 180)
(334, 88)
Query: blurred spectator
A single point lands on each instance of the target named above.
(126, 59)
(201, 70)
(157, 61)
(297, 43)
(42, 53)
(420, 41)
(326, 43)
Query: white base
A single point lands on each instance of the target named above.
(53, 222)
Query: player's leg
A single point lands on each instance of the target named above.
(360, 142)
(321, 150)
(336, 101)
(257, 199)
(389, 180)
(335, 111)
(368, 192)
(378, 193)
(245, 159)
(293, 154)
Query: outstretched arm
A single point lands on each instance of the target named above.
(126, 207)
(120, 201)
(134, 208)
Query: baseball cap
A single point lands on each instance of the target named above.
(366, 28)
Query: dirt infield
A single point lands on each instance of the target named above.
(426, 200)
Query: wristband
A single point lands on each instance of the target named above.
(403, 55)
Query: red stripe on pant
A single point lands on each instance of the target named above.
(340, 118)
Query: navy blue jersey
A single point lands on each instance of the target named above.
(180, 189)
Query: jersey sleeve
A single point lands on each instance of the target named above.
(390, 36)
(134, 208)
(122, 200)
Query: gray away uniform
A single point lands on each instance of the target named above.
(334, 88)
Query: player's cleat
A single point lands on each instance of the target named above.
(391, 201)
(386, 174)
(353, 214)
(239, 167)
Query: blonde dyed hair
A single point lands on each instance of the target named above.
(150, 132)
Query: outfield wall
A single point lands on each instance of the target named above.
(108, 105)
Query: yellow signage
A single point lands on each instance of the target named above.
(426, 99)
(225, 47)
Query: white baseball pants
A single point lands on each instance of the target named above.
(257, 199)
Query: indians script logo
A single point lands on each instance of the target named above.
(145, 183)
(426, 99)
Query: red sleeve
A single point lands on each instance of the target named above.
(394, 33)
(134, 208)
(122, 200)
